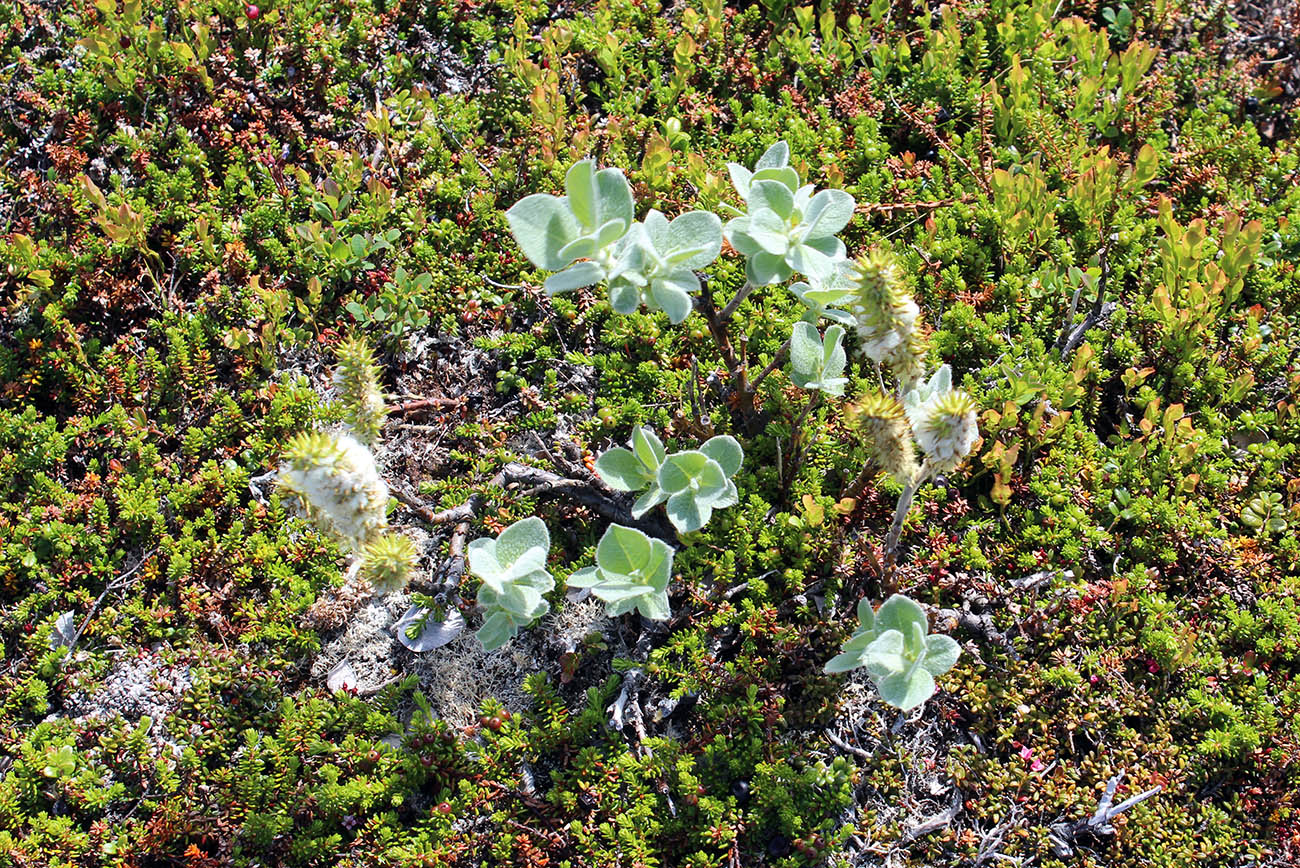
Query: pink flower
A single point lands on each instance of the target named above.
(1027, 754)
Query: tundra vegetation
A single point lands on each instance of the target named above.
(628, 433)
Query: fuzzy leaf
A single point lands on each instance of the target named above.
(687, 513)
(543, 225)
(828, 212)
(907, 690)
(766, 268)
(696, 232)
(648, 448)
(775, 157)
(900, 613)
(672, 294)
(783, 175)
(580, 187)
(725, 450)
(496, 631)
(649, 500)
(615, 196)
(584, 578)
(520, 537)
(805, 353)
(621, 470)
(577, 275)
(941, 653)
(771, 196)
(622, 550)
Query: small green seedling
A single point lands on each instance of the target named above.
(893, 645)
(631, 572)
(817, 364)
(513, 570)
(788, 227)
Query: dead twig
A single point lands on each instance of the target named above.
(1063, 836)
(424, 404)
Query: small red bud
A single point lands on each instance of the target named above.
(252, 12)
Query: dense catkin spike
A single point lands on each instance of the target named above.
(336, 479)
(387, 562)
(946, 428)
(357, 381)
(882, 424)
(907, 360)
(888, 320)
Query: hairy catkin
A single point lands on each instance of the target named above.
(357, 380)
(388, 561)
(335, 478)
(889, 323)
(882, 424)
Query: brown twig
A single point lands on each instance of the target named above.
(424, 404)
(776, 362)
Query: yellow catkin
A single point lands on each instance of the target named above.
(889, 326)
(387, 562)
(882, 425)
(357, 380)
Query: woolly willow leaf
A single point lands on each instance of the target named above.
(578, 275)
(766, 268)
(907, 690)
(775, 157)
(543, 226)
(687, 513)
(584, 578)
(672, 295)
(621, 470)
(496, 631)
(900, 613)
(579, 248)
(772, 196)
(580, 186)
(615, 196)
(693, 240)
(648, 447)
(806, 353)
(520, 537)
(648, 501)
(770, 232)
(624, 298)
(740, 177)
(784, 175)
(845, 662)
(828, 212)
(941, 653)
(622, 550)
(726, 451)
